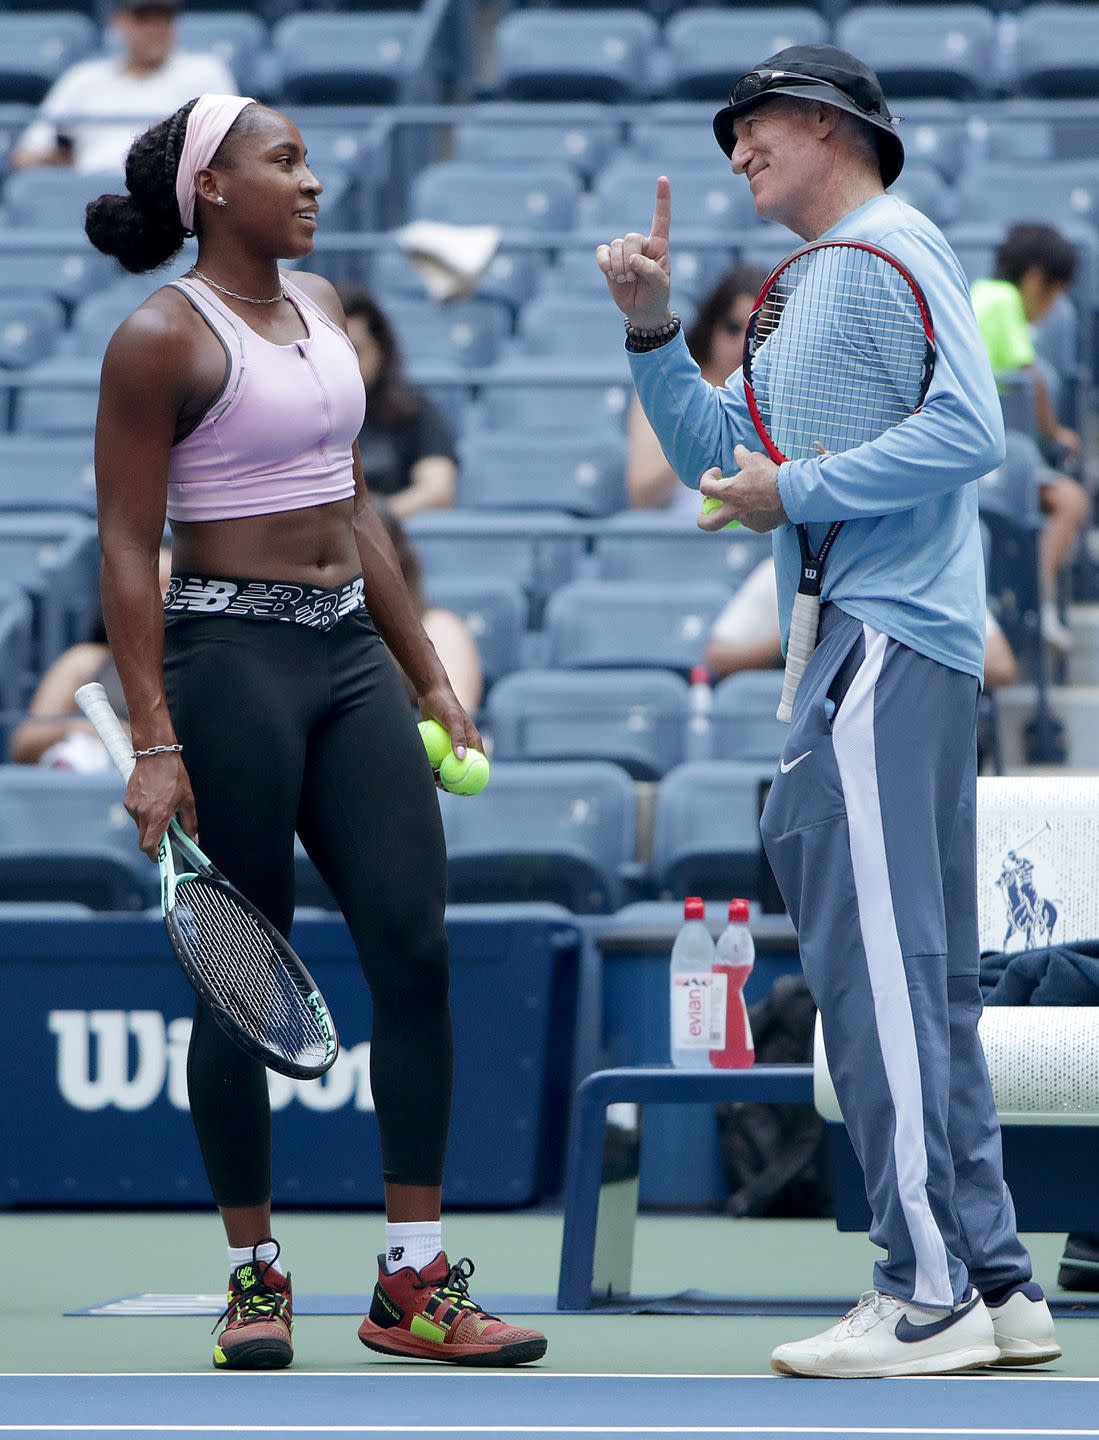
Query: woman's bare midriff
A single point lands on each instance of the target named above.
(314, 546)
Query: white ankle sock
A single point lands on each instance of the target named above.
(414, 1243)
(242, 1255)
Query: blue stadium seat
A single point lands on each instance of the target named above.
(39, 473)
(16, 623)
(65, 836)
(57, 397)
(924, 188)
(538, 552)
(53, 197)
(565, 326)
(945, 51)
(1011, 490)
(651, 545)
(574, 54)
(35, 49)
(494, 610)
(600, 624)
(1010, 513)
(743, 718)
(975, 241)
(511, 276)
(706, 837)
(98, 317)
(936, 132)
(54, 559)
(32, 263)
(555, 402)
(577, 135)
(560, 832)
(342, 59)
(698, 268)
(709, 46)
(633, 718)
(1058, 51)
(237, 37)
(706, 196)
(1059, 191)
(29, 328)
(14, 119)
(583, 473)
(522, 197)
(463, 333)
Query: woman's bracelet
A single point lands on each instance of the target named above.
(638, 340)
(157, 750)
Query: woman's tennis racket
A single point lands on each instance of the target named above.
(840, 348)
(257, 989)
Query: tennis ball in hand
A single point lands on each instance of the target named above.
(468, 776)
(712, 503)
(436, 742)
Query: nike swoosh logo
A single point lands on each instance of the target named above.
(909, 1334)
(786, 766)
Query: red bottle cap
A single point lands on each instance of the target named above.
(700, 675)
(738, 911)
(694, 908)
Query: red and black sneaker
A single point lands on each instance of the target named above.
(260, 1313)
(428, 1315)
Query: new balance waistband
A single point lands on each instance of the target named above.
(286, 600)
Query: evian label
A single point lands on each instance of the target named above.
(698, 1012)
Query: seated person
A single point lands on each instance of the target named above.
(745, 636)
(117, 95)
(407, 446)
(55, 731)
(448, 632)
(716, 341)
(1035, 264)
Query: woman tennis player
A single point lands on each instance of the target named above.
(262, 699)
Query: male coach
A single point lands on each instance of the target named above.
(870, 822)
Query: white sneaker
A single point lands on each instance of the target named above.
(885, 1336)
(1054, 631)
(1024, 1328)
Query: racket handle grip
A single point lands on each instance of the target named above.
(802, 641)
(92, 699)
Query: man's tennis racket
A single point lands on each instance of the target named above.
(257, 989)
(840, 348)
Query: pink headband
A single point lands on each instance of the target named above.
(207, 126)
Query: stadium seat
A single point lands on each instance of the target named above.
(345, 59)
(555, 401)
(574, 54)
(743, 718)
(15, 655)
(558, 832)
(47, 474)
(65, 836)
(708, 46)
(651, 545)
(924, 188)
(519, 197)
(582, 473)
(945, 51)
(494, 610)
(936, 133)
(575, 135)
(35, 49)
(1009, 509)
(554, 326)
(706, 837)
(54, 559)
(57, 397)
(29, 328)
(633, 718)
(698, 268)
(598, 624)
(32, 263)
(707, 196)
(52, 197)
(237, 37)
(98, 317)
(1058, 51)
(975, 241)
(1063, 190)
(14, 119)
(511, 276)
(463, 333)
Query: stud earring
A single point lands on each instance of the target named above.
(222, 200)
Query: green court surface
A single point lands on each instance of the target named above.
(56, 1262)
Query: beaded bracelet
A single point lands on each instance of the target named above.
(639, 341)
(157, 750)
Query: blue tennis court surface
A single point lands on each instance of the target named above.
(532, 1403)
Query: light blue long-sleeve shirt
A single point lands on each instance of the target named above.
(908, 560)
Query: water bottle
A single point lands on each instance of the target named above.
(700, 702)
(692, 1017)
(734, 956)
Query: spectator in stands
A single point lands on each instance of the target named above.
(407, 446)
(1035, 265)
(716, 343)
(117, 95)
(448, 632)
(54, 731)
(745, 636)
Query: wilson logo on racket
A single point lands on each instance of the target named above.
(315, 1001)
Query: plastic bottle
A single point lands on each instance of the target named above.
(700, 702)
(734, 956)
(692, 977)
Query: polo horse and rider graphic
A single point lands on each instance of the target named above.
(1029, 914)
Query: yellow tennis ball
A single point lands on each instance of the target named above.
(468, 776)
(712, 503)
(436, 742)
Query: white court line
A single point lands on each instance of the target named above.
(398, 1371)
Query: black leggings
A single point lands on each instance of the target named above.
(286, 728)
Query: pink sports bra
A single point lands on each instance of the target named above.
(278, 436)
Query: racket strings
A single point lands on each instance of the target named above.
(237, 961)
(839, 352)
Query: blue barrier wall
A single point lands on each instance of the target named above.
(96, 1017)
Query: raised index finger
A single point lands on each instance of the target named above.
(662, 211)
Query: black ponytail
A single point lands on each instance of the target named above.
(142, 230)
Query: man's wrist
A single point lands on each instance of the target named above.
(640, 338)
